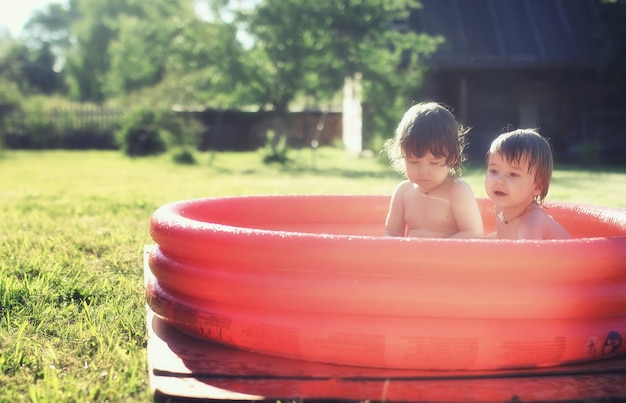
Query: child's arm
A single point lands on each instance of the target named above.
(466, 212)
(395, 225)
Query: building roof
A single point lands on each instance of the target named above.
(485, 34)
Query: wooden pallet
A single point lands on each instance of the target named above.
(184, 368)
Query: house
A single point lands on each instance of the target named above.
(525, 63)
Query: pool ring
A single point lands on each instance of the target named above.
(315, 269)
(404, 295)
(392, 341)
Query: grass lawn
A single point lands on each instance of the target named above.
(72, 230)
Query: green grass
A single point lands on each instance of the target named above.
(72, 230)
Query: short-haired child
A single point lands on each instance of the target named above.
(519, 171)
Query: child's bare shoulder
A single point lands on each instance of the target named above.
(459, 187)
(538, 222)
(404, 186)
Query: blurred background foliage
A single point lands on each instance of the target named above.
(265, 55)
(260, 55)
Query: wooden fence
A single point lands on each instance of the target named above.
(82, 127)
(90, 127)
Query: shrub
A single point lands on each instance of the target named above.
(55, 123)
(10, 99)
(184, 156)
(141, 135)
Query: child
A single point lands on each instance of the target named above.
(518, 176)
(433, 202)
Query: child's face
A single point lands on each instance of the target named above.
(508, 184)
(426, 171)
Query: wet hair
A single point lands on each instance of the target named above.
(428, 127)
(527, 146)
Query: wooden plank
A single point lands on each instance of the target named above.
(184, 367)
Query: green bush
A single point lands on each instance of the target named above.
(10, 99)
(141, 134)
(590, 151)
(184, 156)
(39, 123)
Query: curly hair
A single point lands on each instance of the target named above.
(428, 127)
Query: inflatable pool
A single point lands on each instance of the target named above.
(311, 278)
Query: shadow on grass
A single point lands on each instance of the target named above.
(471, 168)
(297, 169)
(339, 172)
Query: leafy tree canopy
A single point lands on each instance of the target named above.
(269, 54)
(310, 47)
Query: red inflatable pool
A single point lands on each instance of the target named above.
(310, 277)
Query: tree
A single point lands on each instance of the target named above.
(93, 31)
(183, 59)
(12, 63)
(310, 47)
(126, 47)
(99, 24)
(31, 61)
(32, 70)
(52, 25)
(41, 74)
(48, 33)
(612, 35)
(10, 99)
